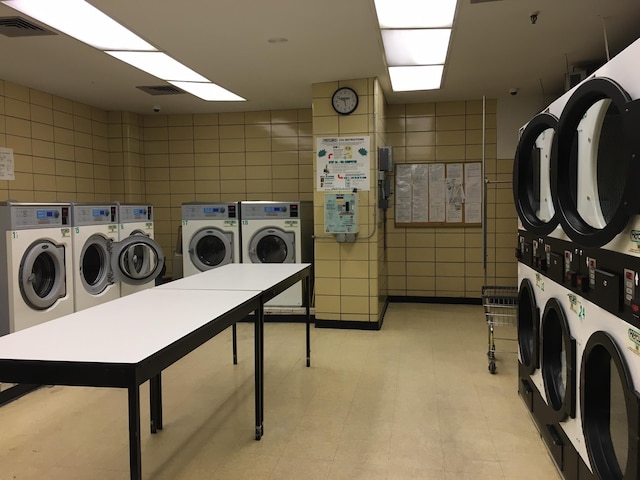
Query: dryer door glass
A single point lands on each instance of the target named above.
(42, 275)
(94, 264)
(618, 423)
(272, 245)
(210, 248)
(602, 163)
(528, 319)
(136, 260)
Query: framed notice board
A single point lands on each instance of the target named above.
(438, 194)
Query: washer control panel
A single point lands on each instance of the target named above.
(26, 217)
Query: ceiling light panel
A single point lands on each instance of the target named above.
(415, 13)
(208, 91)
(404, 79)
(416, 47)
(159, 65)
(82, 21)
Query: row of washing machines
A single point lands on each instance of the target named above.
(215, 234)
(58, 258)
(575, 183)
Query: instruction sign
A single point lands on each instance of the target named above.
(343, 163)
(6, 164)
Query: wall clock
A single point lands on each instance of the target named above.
(344, 100)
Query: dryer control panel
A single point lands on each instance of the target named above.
(209, 211)
(26, 217)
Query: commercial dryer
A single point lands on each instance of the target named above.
(579, 311)
(36, 276)
(210, 236)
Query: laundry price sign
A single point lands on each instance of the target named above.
(343, 163)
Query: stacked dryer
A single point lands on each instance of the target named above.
(210, 236)
(576, 177)
(36, 279)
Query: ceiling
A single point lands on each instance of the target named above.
(494, 47)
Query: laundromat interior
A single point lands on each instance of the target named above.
(460, 296)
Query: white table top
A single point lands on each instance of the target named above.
(126, 330)
(238, 276)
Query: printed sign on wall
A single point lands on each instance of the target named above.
(343, 163)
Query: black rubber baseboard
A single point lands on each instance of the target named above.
(443, 300)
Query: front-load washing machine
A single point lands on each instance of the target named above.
(100, 260)
(210, 236)
(36, 276)
(278, 232)
(137, 219)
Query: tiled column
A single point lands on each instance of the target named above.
(350, 276)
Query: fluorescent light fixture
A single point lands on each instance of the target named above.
(426, 77)
(82, 21)
(159, 65)
(208, 91)
(416, 47)
(415, 13)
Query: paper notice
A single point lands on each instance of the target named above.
(6, 164)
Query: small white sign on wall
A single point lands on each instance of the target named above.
(6, 164)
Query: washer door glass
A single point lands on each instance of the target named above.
(42, 275)
(210, 248)
(136, 260)
(272, 245)
(531, 176)
(558, 361)
(528, 320)
(610, 408)
(95, 265)
(595, 169)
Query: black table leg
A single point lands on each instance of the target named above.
(308, 313)
(135, 452)
(155, 397)
(259, 369)
(234, 333)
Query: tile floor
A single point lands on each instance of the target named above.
(412, 401)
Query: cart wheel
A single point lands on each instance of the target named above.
(492, 367)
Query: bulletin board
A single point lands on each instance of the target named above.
(438, 194)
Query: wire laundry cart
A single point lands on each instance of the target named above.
(500, 309)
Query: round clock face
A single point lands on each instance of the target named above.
(344, 100)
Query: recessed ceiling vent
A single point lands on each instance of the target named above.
(19, 27)
(161, 90)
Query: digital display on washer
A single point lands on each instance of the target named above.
(42, 214)
(139, 211)
(100, 212)
(274, 209)
(212, 210)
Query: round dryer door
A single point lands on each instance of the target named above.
(558, 361)
(272, 245)
(528, 323)
(210, 248)
(531, 175)
(42, 275)
(95, 265)
(610, 410)
(136, 260)
(596, 168)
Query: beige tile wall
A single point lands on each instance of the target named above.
(224, 157)
(350, 279)
(447, 261)
(66, 150)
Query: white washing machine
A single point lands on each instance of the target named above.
(210, 236)
(36, 276)
(100, 260)
(278, 232)
(137, 219)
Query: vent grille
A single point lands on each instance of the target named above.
(161, 90)
(19, 27)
